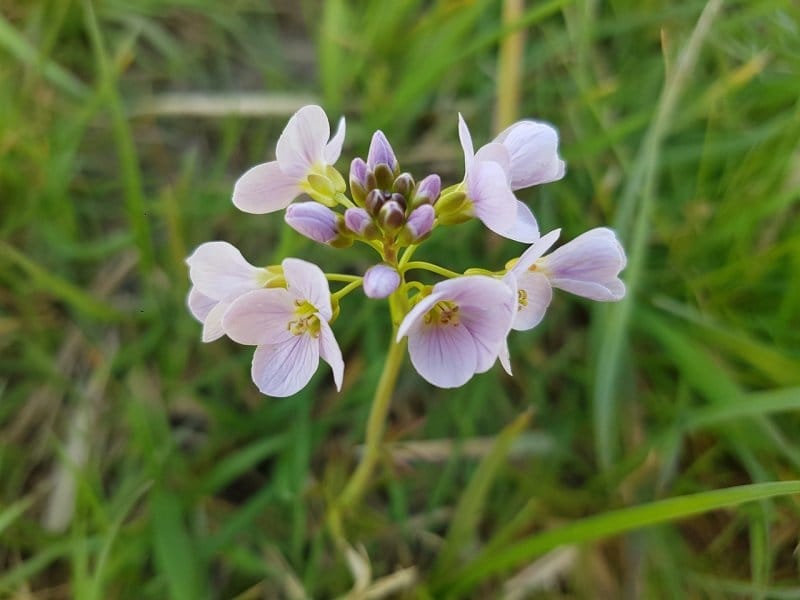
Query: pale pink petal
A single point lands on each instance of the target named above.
(537, 293)
(219, 271)
(534, 153)
(199, 304)
(260, 317)
(493, 201)
(525, 228)
(303, 141)
(331, 353)
(532, 254)
(588, 266)
(466, 142)
(416, 313)
(284, 369)
(445, 355)
(495, 153)
(505, 358)
(212, 325)
(306, 281)
(264, 189)
(334, 148)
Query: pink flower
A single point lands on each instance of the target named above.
(459, 329)
(219, 274)
(290, 327)
(587, 266)
(487, 180)
(302, 156)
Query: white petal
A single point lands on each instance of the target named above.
(260, 317)
(466, 143)
(495, 153)
(331, 353)
(588, 265)
(212, 326)
(610, 291)
(534, 153)
(525, 228)
(264, 189)
(199, 304)
(493, 201)
(302, 143)
(505, 358)
(539, 294)
(307, 281)
(218, 270)
(416, 313)
(532, 254)
(334, 148)
(445, 355)
(284, 369)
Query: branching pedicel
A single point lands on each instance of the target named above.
(455, 328)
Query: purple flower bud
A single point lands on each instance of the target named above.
(427, 191)
(374, 201)
(312, 220)
(357, 220)
(404, 184)
(380, 281)
(381, 153)
(358, 180)
(420, 222)
(391, 216)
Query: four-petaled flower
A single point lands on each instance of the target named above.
(219, 274)
(290, 327)
(525, 154)
(303, 155)
(587, 266)
(459, 329)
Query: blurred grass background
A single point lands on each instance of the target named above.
(137, 462)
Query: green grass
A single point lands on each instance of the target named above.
(655, 439)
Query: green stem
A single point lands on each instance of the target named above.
(342, 277)
(418, 264)
(347, 289)
(376, 424)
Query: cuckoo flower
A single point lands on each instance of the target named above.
(459, 329)
(220, 274)
(587, 266)
(303, 155)
(290, 328)
(488, 178)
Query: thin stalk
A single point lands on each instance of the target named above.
(417, 264)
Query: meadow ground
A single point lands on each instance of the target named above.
(643, 449)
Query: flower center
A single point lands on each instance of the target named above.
(444, 312)
(522, 299)
(306, 319)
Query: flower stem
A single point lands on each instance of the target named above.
(376, 423)
(347, 289)
(342, 277)
(418, 264)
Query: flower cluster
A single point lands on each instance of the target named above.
(455, 328)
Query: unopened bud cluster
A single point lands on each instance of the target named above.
(455, 328)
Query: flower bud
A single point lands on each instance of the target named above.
(380, 281)
(360, 222)
(427, 191)
(384, 177)
(404, 184)
(358, 180)
(381, 153)
(400, 199)
(391, 216)
(419, 224)
(374, 201)
(313, 221)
